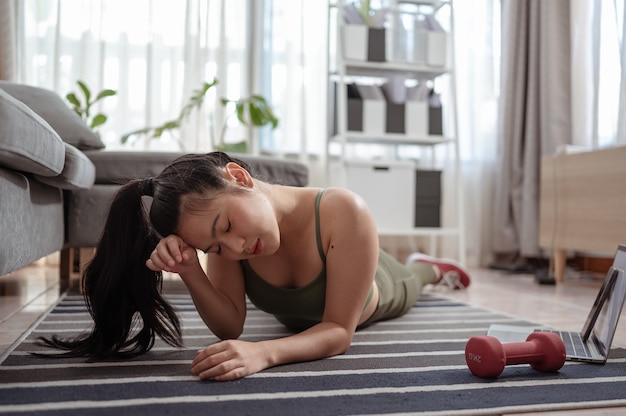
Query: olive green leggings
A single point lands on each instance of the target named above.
(399, 286)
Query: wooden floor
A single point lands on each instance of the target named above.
(27, 293)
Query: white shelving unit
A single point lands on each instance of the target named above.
(346, 71)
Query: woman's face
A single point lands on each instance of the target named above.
(235, 225)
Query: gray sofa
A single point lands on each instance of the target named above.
(57, 180)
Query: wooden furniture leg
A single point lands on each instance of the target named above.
(582, 203)
(65, 268)
(559, 264)
(85, 255)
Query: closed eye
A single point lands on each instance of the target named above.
(213, 250)
(219, 247)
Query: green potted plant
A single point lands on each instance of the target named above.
(251, 111)
(83, 106)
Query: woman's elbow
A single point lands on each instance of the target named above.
(226, 335)
(343, 343)
(228, 332)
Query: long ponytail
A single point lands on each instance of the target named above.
(123, 296)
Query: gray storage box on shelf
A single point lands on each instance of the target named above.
(435, 120)
(427, 198)
(376, 45)
(395, 122)
(362, 43)
(372, 110)
(355, 109)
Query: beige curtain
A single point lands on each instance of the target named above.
(8, 59)
(534, 115)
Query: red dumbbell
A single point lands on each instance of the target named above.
(486, 356)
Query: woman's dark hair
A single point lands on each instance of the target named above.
(120, 291)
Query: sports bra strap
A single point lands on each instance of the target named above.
(318, 233)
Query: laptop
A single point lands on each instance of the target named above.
(593, 343)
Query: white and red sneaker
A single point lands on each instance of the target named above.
(453, 275)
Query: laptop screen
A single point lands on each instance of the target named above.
(606, 324)
(601, 299)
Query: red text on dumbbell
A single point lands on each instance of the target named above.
(486, 356)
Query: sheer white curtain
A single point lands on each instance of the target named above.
(598, 73)
(477, 45)
(155, 53)
(294, 74)
(8, 53)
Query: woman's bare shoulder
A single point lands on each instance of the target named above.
(341, 211)
(343, 198)
(341, 208)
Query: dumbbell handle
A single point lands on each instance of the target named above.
(523, 352)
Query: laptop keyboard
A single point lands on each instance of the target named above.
(574, 345)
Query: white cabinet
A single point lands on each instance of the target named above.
(387, 187)
(381, 83)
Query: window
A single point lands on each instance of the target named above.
(155, 53)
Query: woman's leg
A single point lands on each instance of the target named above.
(449, 271)
(399, 286)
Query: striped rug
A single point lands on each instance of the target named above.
(414, 364)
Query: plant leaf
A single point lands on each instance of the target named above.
(258, 99)
(238, 147)
(241, 112)
(272, 117)
(257, 117)
(105, 93)
(71, 97)
(98, 120)
(196, 100)
(86, 92)
(173, 124)
(125, 137)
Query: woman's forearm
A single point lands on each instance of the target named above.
(323, 340)
(233, 359)
(218, 312)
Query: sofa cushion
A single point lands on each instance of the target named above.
(78, 172)
(56, 112)
(27, 142)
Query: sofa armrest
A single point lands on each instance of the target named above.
(27, 143)
(279, 171)
(118, 167)
(52, 108)
(78, 172)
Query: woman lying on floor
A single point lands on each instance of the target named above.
(308, 256)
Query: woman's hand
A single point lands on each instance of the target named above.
(173, 255)
(229, 360)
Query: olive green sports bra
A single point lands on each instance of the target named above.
(297, 308)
